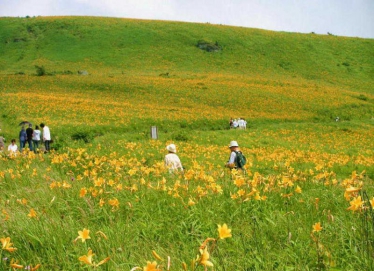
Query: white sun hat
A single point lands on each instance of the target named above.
(233, 144)
(171, 148)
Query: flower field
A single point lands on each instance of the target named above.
(292, 209)
(102, 199)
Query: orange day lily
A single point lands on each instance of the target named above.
(7, 245)
(224, 231)
(87, 259)
(204, 260)
(32, 213)
(317, 227)
(31, 268)
(84, 235)
(14, 264)
(151, 267)
(372, 202)
(356, 204)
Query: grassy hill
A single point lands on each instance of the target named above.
(158, 69)
(123, 45)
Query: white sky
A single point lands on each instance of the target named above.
(354, 18)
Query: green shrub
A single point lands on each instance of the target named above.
(40, 70)
(208, 46)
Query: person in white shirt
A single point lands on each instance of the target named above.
(241, 123)
(12, 148)
(244, 124)
(36, 138)
(172, 161)
(235, 124)
(46, 137)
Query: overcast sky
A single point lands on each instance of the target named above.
(354, 18)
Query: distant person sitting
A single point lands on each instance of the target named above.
(172, 161)
(12, 148)
(29, 132)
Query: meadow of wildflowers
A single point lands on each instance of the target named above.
(102, 199)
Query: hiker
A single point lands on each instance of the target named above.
(235, 124)
(36, 138)
(46, 137)
(241, 123)
(2, 143)
(172, 161)
(237, 159)
(29, 132)
(231, 123)
(12, 148)
(22, 138)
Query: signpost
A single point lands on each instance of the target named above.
(154, 132)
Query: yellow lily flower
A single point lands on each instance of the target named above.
(87, 259)
(356, 204)
(317, 227)
(14, 264)
(151, 267)
(204, 259)
(224, 231)
(84, 235)
(32, 213)
(7, 245)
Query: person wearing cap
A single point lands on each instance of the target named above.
(234, 148)
(172, 161)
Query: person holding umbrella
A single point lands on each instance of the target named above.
(22, 138)
(46, 137)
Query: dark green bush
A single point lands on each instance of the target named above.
(85, 136)
(40, 70)
(208, 46)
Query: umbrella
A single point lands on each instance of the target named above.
(22, 123)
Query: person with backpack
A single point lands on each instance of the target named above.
(237, 160)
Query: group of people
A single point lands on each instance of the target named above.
(31, 137)
(239, 123)
(173, 163)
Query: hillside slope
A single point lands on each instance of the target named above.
(123, 45)
(144, 73)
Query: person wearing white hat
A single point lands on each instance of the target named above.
(234, 149)
(172, 161)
